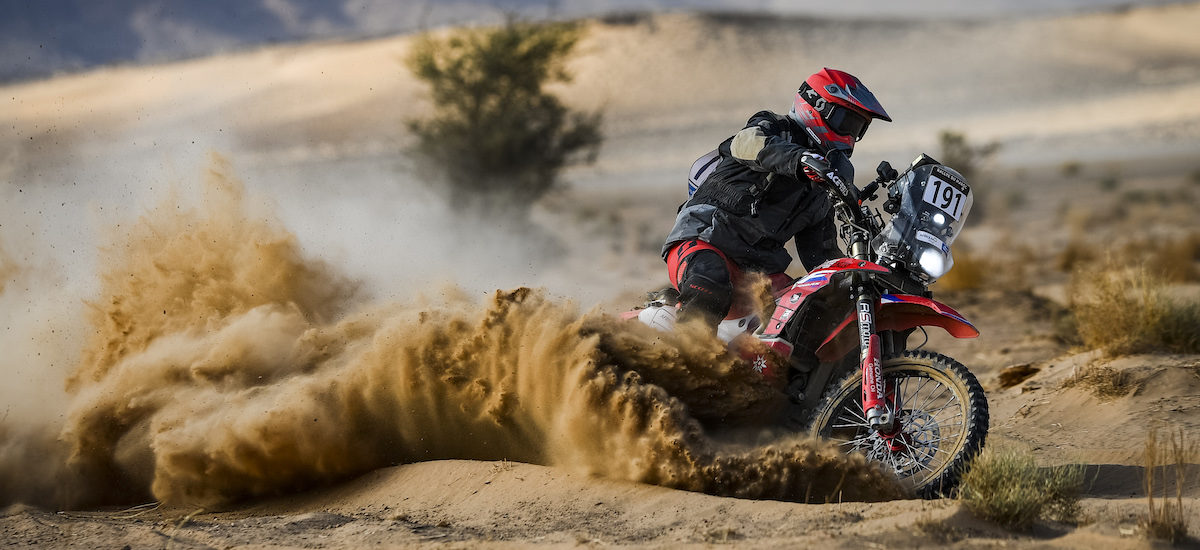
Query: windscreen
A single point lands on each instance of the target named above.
(934, 203)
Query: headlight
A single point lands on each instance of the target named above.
(934, 263)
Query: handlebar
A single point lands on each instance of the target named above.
(847, 192)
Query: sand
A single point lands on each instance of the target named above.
(293, 345)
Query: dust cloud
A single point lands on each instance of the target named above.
(221, 364)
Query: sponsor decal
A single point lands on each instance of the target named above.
(837, 181)
(865, 323)
(760, 364)
(929, 238)
(951, 177)
(872, 374)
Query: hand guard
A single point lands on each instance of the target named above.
(818, 169)
(814, 166)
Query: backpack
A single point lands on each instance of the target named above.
(701, 169)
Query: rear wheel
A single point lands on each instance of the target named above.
(942, 420)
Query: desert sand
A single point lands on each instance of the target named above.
(296, 345)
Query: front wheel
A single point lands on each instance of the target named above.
(941, 420)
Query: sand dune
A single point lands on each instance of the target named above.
(264, 361)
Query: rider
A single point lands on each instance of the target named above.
(759, 195)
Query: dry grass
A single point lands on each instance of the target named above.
(1174, 260)
(969, 272)
(1075, 255)
(1003, 265)
(1123, 311)
(1167, 520)
(1006, 486)
(1102, 381)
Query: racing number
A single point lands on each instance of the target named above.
(944, 196)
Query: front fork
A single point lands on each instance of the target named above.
(874, 391)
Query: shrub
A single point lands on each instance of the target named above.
(1007, 487)
(1175, 259)
(1071, 168)
(1102, 381)
(1075, 255)
(968, 273)
(958, 153)
(1167, 520)
(496, 136)
(1127, 310)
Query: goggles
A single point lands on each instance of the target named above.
(841, 120)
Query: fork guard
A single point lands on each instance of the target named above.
(897, 312)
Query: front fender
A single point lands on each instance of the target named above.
(897, 312)
(905, 311)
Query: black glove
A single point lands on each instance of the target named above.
(818, 169)
(814, 166)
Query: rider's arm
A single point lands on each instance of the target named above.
(763, 146)
(817, 243)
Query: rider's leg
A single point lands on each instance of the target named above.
(705, 288)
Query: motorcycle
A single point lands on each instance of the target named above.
(921, 414)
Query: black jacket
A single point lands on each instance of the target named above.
(753, 202)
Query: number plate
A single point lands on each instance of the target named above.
(945, 195)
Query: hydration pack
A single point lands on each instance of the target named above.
(701, 169)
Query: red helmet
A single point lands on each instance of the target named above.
(836, 108)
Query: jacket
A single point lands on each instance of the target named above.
(753, 202)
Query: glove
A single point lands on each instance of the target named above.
(814, 166)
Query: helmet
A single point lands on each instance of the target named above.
(835, 108)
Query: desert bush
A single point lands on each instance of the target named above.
(968, 273)
(1006, 486)
(1102, 381)
(1109, 182)
(1002, 265)
(496, 137)
(1124, 310)
(1167, 520)
(1175, 259)
(1071, 168)
(958, 153)
(1075, 255)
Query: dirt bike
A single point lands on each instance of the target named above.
(919, 413)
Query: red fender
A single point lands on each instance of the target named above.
(897, 312)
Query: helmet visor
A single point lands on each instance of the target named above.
(847, 122)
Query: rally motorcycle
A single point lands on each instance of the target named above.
(921, 414)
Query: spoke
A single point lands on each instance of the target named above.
(856, 416)
(931, 398)
(916, 462)
(938, 440)
(920, 387)
(854, 441)
(934, 412)
(855, 425)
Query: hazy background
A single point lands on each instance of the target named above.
(42, 38)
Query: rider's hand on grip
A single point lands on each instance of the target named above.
(814, 166)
